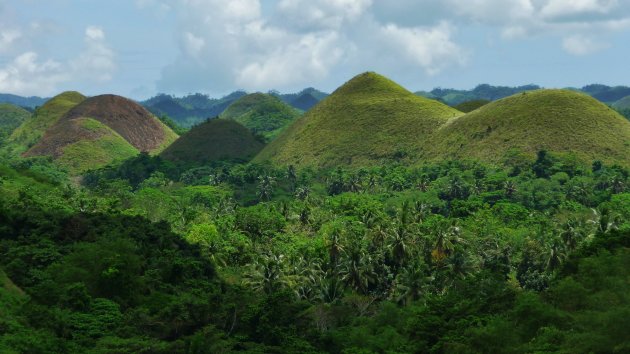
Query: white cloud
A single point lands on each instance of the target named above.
(193, 44)
(7, 38)
(565, 8)
(94, 33)
(430, 48)
(294, 43)
(582, 45)
(96, 62)
(27, 74)
(312, 56)
(326, 14)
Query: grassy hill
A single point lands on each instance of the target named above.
(305, 101)
(470, 106)
(262, 114)
(367, 120)
(101, 130)
(92, 145)
(623, 103)
(11, 117)
(44, 117)
(212, 140)
(561, 121)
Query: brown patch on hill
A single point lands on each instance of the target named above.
(62, 134)
(126, 117)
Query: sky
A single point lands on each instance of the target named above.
(137, 48)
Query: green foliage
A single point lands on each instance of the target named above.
(454, 256)
(262, 114)
(107, 147)
(11, 117)
(470, 106)
(43, 118)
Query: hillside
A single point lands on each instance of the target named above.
(191, 109)
(262, 114)
(470, 106)
(561, 121)
(30, 102)
(304, 101)
(622, 104)
(212, 140)
(11, 117)
(100, 130)
(84, 143)
(43, 118)
(367, 120)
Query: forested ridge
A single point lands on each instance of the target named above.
(451, 257)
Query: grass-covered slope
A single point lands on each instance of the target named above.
(44, 117)
(470, 106)
(212, 140)
(262, 114)
(561, 121)
(83, 143)
(623, 103)
(367, 120)
(128, 118)
(11, 117)
(101, 130)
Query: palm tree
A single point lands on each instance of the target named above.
(572, 232)
(411, 282)
(292, 176)
(605, 220)
(510, 188)
(399, 243)
(265, 187)
(446, 235)
(617, 184)
(356, 269)
(266, 274)
(302, 193)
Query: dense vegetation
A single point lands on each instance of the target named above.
(261, 113)
(453, 257)
(11, 117)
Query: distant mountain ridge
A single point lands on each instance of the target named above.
(28, 102)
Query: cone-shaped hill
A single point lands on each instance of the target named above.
(305, 101)
(100, 130)
(623, 103)
(368, 120)
(44, 117)
(561, 121)
(11, 117)
(215, 139)
(262, 113)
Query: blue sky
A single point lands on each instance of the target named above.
(138, 48)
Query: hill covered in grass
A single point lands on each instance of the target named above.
(192, 109)
(470, 106)
(11, 117)
(262, 113)
(623, 103)
(43, 118)
(368, 120)
(215, 139)
(101, 130)
(561, 121)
